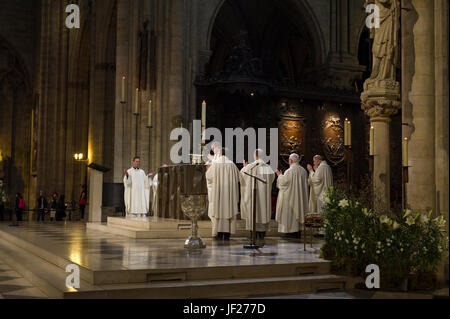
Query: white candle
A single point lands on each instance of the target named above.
(136, 104)
(122, 99)
(203, 119)
(150, 113)
(372, 140)
(405, 152)
(349, 133)
(346, 132)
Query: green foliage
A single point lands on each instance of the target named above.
(355, 237)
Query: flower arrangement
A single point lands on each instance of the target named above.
(355, 237)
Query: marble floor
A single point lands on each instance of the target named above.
(97, 250)
(14, 286)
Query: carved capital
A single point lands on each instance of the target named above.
(381, 98)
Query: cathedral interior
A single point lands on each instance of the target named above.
(302, 66)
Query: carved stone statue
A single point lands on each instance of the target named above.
(381, 95)
(385, 45)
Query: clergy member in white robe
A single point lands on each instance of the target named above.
(154, 194)
(216, 149)
(292, 203)
(154, 191)
(263, 194)
(137, 191)
(320, 179)
(222, 179)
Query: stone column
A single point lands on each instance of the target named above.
(381, 100)
(441, 116)
(421, 189)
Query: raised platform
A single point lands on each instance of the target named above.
(119, 267)
(160, 228)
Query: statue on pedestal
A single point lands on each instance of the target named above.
(386, 41)
(381, 96)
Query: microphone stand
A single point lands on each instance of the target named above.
(253, 244)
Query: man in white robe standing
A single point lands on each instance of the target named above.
(153, 181)
(263, 194)
(137, 190)
(320, 179)
(292, 203)
(222, 179)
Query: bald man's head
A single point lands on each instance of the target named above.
(294, 158)
(317, 160)
(258, 154)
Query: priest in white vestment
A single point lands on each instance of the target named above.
(292, 202)
(154, 191)
(222, 179)
(137, 191)
(216, 149)
(320, 179)
(263, 194)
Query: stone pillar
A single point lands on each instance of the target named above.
(381, 100)
(441, 116)
(421, 189)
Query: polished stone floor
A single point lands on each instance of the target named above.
(14, 286)
(97, 250)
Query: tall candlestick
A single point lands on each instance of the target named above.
(150, 124)
(203, 120)
(372, 140)
(122, 98)
(405, 152)
(136, 104)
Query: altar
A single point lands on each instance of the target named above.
(177, 180)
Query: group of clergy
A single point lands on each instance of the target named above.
(300, 193)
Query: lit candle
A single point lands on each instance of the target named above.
(372, 139)
(349, 133)
(123, 90)
(136, 104)
(346, 132)
(203, 119)
(405, 152)
(149, 124)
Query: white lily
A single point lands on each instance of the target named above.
(343, 203)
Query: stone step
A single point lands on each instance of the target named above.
(233, 288)
(94, 276)
(47, 277)
(51, 280)
(161, 228)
